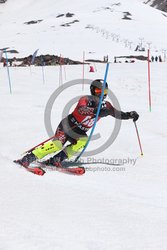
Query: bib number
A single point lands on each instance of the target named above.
(88, 121)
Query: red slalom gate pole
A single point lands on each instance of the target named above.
(60, 72)
(149, 80)
(41, 143)
(83, 70)
(138, 137)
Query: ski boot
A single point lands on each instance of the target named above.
(56, 160)
(26, 160)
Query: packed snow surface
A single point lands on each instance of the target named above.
(110, 207)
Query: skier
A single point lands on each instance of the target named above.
(74, 127)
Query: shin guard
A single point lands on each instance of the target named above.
(48, 148)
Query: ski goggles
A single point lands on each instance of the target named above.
(99, 91)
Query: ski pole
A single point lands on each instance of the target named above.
(53, 137)
(138, 137)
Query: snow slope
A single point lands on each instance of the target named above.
(110, 207)
(121, 209)
(108, 33)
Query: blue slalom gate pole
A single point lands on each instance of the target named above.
(10, 86)
(97, 114)
(43, 74)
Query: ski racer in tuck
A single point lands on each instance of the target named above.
(74, 127)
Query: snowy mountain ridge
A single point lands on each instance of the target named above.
(98, 27)
(158, 4)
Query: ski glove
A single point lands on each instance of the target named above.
(133, 115)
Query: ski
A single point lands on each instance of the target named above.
(73, 170)
(38, 170)
(67, 170)
(34, 170)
